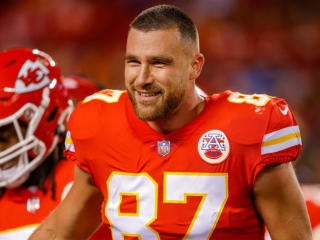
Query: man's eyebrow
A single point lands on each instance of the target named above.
(130, 57)
(152, 59)
(162, 59)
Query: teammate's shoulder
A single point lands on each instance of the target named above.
(86, 118)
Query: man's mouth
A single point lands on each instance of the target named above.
(147, 96)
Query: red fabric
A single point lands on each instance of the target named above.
(179, 194)
(311, 194)
(16, 222)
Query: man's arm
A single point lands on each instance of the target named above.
(77, 216)
(279, 201)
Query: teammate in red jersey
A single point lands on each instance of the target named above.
(172, 164)
(34, 108)
(79, 86)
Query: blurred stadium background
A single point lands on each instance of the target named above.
(252, 46)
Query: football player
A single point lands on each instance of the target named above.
(172, 164)
(34, 109)
(79, 86)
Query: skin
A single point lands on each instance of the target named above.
(161, 80)
(8, 138)
(279, 201)
(162, 68)
(78, 216)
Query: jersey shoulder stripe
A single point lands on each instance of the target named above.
(281, 139)
(68, 143)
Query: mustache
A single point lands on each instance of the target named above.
(148, 87)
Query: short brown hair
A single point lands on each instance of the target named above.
(166, 16)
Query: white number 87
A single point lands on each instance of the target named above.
(177, 187)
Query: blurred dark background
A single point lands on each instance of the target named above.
(252, 46)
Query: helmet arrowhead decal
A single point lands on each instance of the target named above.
(31, 77)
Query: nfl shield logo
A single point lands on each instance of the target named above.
(163, 147)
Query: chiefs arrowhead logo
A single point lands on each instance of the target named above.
(32, 76)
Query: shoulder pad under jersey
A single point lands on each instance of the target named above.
(253, 116)
(86, 120)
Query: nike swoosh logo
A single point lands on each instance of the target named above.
(285, 110)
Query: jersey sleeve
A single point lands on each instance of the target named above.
(82, 126)
(281, 141)
(85, 123)
(71, 154)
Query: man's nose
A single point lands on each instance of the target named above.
(144, 75)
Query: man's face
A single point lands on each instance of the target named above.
(8, 138)
(157, 72)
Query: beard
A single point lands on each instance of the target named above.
(164, 107)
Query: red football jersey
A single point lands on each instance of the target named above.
(23, 209)
(193, 183)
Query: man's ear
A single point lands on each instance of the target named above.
(197, 65)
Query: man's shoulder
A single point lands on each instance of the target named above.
(242, 100)
(235, 106)
(248, 117)
(95, 111)
(254, 106)
(103, 99)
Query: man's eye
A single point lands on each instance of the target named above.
(159, 64)
(133, 63)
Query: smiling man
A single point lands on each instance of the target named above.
(172, 164)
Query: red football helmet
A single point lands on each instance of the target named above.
(79, 87)
(31, 95)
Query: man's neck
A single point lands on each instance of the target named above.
(181, 117)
